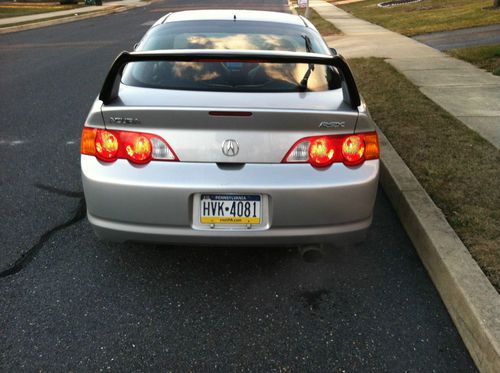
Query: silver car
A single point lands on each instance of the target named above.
(230, 128)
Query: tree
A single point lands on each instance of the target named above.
(496, 3)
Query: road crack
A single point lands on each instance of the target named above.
(60, 192)
(78, 214)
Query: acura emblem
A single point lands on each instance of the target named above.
(230, 148)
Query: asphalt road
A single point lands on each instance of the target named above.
(70, 302)
(463, 38)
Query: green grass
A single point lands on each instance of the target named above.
(16, 10)
(324, 27)
(427, 15)
(457, 168)
(484, 57)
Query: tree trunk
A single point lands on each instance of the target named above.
(496, 3)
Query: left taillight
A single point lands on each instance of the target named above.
(322, 151)
(137, 147)
(106, 146)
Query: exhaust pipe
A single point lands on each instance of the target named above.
(311, 253)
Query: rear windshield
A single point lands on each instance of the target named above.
(231, 76)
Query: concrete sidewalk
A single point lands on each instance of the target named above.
(470, 94)
(49, 18)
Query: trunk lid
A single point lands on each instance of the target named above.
(272, 124)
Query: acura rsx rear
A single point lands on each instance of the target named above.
(230, 127)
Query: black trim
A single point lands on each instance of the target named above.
(109, 90)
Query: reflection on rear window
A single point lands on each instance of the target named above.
(230, 76)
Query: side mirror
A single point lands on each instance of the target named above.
(333, 51)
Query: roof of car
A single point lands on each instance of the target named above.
(234, 15)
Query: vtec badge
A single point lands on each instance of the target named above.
(331, 124)
(122, 120)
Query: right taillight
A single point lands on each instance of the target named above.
(322, 151)
(353, 149)
(372, 149)
(137, 147)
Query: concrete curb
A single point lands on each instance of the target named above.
(70, 18)
(471, 300)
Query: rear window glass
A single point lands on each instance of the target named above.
(231, 76)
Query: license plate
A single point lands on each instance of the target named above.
(230, 209)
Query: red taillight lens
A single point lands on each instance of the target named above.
(137, 146)
(353, 149)
(106, 146)
(321, 151)
(109, 145)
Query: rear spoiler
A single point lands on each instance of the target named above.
(111, 84)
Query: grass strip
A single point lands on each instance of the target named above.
(485, 57)
(457, 167)
(427, 15)
(324, 27)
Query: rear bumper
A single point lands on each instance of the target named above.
(120, 232)
(155, 202)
